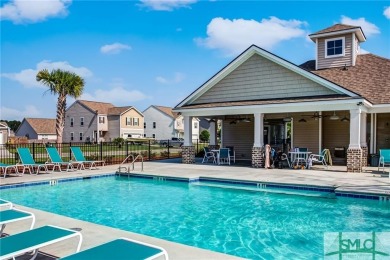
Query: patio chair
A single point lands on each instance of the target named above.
(208, 155)
(122, 248)
(224, 156)
(6, 203)
(28, 162)
(300, 158)
(232, 153)
(322, 158)
(13, 215)
(34, 239)
(284, 157)
(384, 159)
(56, 159)
(79, 158)
(5, 168)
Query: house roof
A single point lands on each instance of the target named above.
(42, 125)
(266, 102)
(168, 111)
(3, 123)
(369, 78)
(339, 28)
(100, 107)
(118, 110)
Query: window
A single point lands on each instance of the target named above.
(128, 120)
(71, 136)
(144, 135)
(154, 124)
(81, 136)
(144, 124)
(195, 125)
(334, 47)
(101, 119)
(81, 121)
(71, 121)
(136, 121)
(154, 135)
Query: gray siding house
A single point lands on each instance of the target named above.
(41, 129)
(341, 99)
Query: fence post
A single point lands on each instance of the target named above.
(197, 146)
(70, 152)
(168, 148)
(127, 149)
(33, 148)
(149, 151)
(101, 150)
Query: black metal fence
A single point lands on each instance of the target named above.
(110, 152)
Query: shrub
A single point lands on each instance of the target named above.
(119, 141)
(204, 136)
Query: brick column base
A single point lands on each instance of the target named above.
(354, 160)
(364, 156)
(257, 157)
(188, 154)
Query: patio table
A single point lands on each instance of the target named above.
(296, 156)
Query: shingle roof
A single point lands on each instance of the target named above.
(335, 28)
(117, 110)
(168, 111)
(101, 107)
(42, 125)
(369, 78)
(267, 102)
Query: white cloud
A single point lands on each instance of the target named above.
(166, 5)
(30, 11)
(116, 95)
(114, 48)
(234, 36)
(367, 27)
(27, 77)
(386, 12)
(178, 77)
(363, 51)
(7, 113)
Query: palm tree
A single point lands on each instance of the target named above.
(63, 83)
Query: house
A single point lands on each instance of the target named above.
(340, 100)
(5, 132)
(91, 121)
(41, 129)
(162, 123)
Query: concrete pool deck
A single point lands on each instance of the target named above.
(370, 181)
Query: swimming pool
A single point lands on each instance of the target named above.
(246, 223)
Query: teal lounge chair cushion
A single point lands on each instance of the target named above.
(10, 215)
(25, 156)
(117, 249)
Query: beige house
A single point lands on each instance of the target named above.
(91, 121)
(340, 100)
(41, 129)
(5, 132)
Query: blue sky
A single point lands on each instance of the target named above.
(144, 53)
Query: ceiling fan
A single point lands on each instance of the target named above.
(315, 115)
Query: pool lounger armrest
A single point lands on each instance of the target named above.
(6, 203)
(121, 248)
(13, 215)
(33, 240)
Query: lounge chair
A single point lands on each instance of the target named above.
(56, 159)
(5, 167)
(79, 158)
(208, 155)
(384, 159)
(232, 153)
(224, 156)
(13, 215)
(6, 203)
(33, 240)
(320, 158)
(28, 162)
(122, 248)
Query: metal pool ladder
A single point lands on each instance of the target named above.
(131, 166)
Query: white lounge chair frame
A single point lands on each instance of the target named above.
(4, 223)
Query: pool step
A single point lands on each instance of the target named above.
(262, 187)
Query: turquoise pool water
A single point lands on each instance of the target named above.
(250, 224)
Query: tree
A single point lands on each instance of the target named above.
(63, 84)
(204, 136)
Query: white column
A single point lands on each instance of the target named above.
(363, 129)
(187, 130)
(354, 129)
(259, 130)
(320, 133)
(213, 133)
(374, 132)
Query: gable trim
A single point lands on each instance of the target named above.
(252, 50)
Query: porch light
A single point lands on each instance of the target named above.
(302, 120)
(334, 117)
(344, 119)
(287, 119)
(246, 120)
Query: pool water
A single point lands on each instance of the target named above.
(245, 223)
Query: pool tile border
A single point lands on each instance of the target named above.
(328, 189)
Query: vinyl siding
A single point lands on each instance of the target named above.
(26, 129)
(113, 126)
(383, 131)
(306, 134)
(90, 123)
(4, 134)
(164, 124)
(258, 78)
(336, 61)
(241, 136)
(335, 133)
